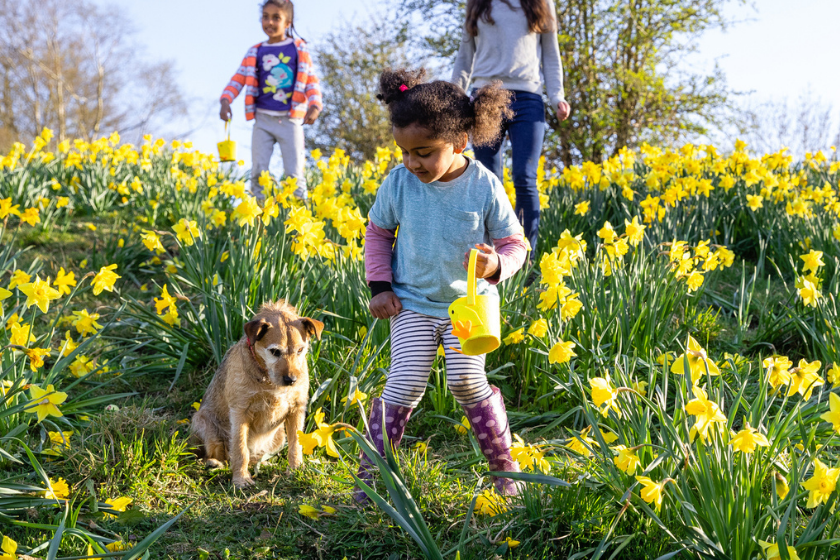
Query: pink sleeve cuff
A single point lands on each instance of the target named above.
(379, 248)
(512, 251)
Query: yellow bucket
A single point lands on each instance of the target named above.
(227, 148)
(476, 320)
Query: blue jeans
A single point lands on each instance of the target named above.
(527, 131)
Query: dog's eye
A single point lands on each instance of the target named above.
(276, 352)
(300, 350)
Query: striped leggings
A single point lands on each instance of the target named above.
(415, 339)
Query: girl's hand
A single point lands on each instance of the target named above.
(563, 111)
(486, 262)
(225, 113)
(385, 305)
(311, 115)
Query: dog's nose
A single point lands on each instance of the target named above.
(289, 379)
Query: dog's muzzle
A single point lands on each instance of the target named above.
(289, 379)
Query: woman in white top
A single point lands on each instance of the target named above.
(515, 41)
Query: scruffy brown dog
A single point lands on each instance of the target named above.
(262, 384)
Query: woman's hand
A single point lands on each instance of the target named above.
(225, 114)
(563, 111)
(311, 115)
(486, 262)
(385, 305)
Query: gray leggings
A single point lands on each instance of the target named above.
(288, 133)
(414, 342)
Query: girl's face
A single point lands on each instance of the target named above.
(430, 159)
(274, 23)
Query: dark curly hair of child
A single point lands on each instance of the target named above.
(444, 108)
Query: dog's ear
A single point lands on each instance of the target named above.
(312, 327)
(256, 329)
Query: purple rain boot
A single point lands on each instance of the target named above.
(489, 421)
(395, 420)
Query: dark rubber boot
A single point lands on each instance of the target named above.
(396, 418)
(489, 421)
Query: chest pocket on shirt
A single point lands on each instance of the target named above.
(465, 228)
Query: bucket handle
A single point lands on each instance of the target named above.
(227, 132)
(471, 277)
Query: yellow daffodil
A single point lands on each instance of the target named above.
(635, 231)
(39, 293)
(833, 415)
(186, 231)
(804, 378)
(561, 352)
(152, 242)
(464, 426)
(118, 504)
(104, 279)
(582, 208)
(515, 337)
(609, 437)
(60, 490)
(358, 396)
(309, 511)
(165, 300)
(778, 370)
(652, 492)
(246, 211)
(21, 334)
(833, 374)
(706, 412)
(579, 443)
(538, 328)
(85, 322)
(18, 277)
(698, 362)
(45, 401)
(626, 459)
(9, 548)
(603, 393)
(36, 357)
(821, 484)
(64, 281)
(640, 387)
(782, 488)
(748, 439)
(808, 291)
(490, 503)
(771, 551)
(813, 261)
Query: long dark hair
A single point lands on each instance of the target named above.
(537, 12)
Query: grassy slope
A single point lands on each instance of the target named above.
(141, 451)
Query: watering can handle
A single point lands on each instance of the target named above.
(471, 277)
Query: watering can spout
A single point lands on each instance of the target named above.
(476, 319)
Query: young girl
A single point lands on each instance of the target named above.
(515, 41)
(282, 90)
(443, 203)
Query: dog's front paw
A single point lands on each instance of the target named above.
(243, 481)
(214, 464)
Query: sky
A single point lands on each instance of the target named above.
(777, 49)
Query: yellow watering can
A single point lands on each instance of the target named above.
(476, 319)
(227, 148)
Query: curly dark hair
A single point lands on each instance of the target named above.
(443, 108)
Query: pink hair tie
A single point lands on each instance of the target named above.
(403, 87)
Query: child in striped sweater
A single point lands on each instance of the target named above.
(281, 95)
